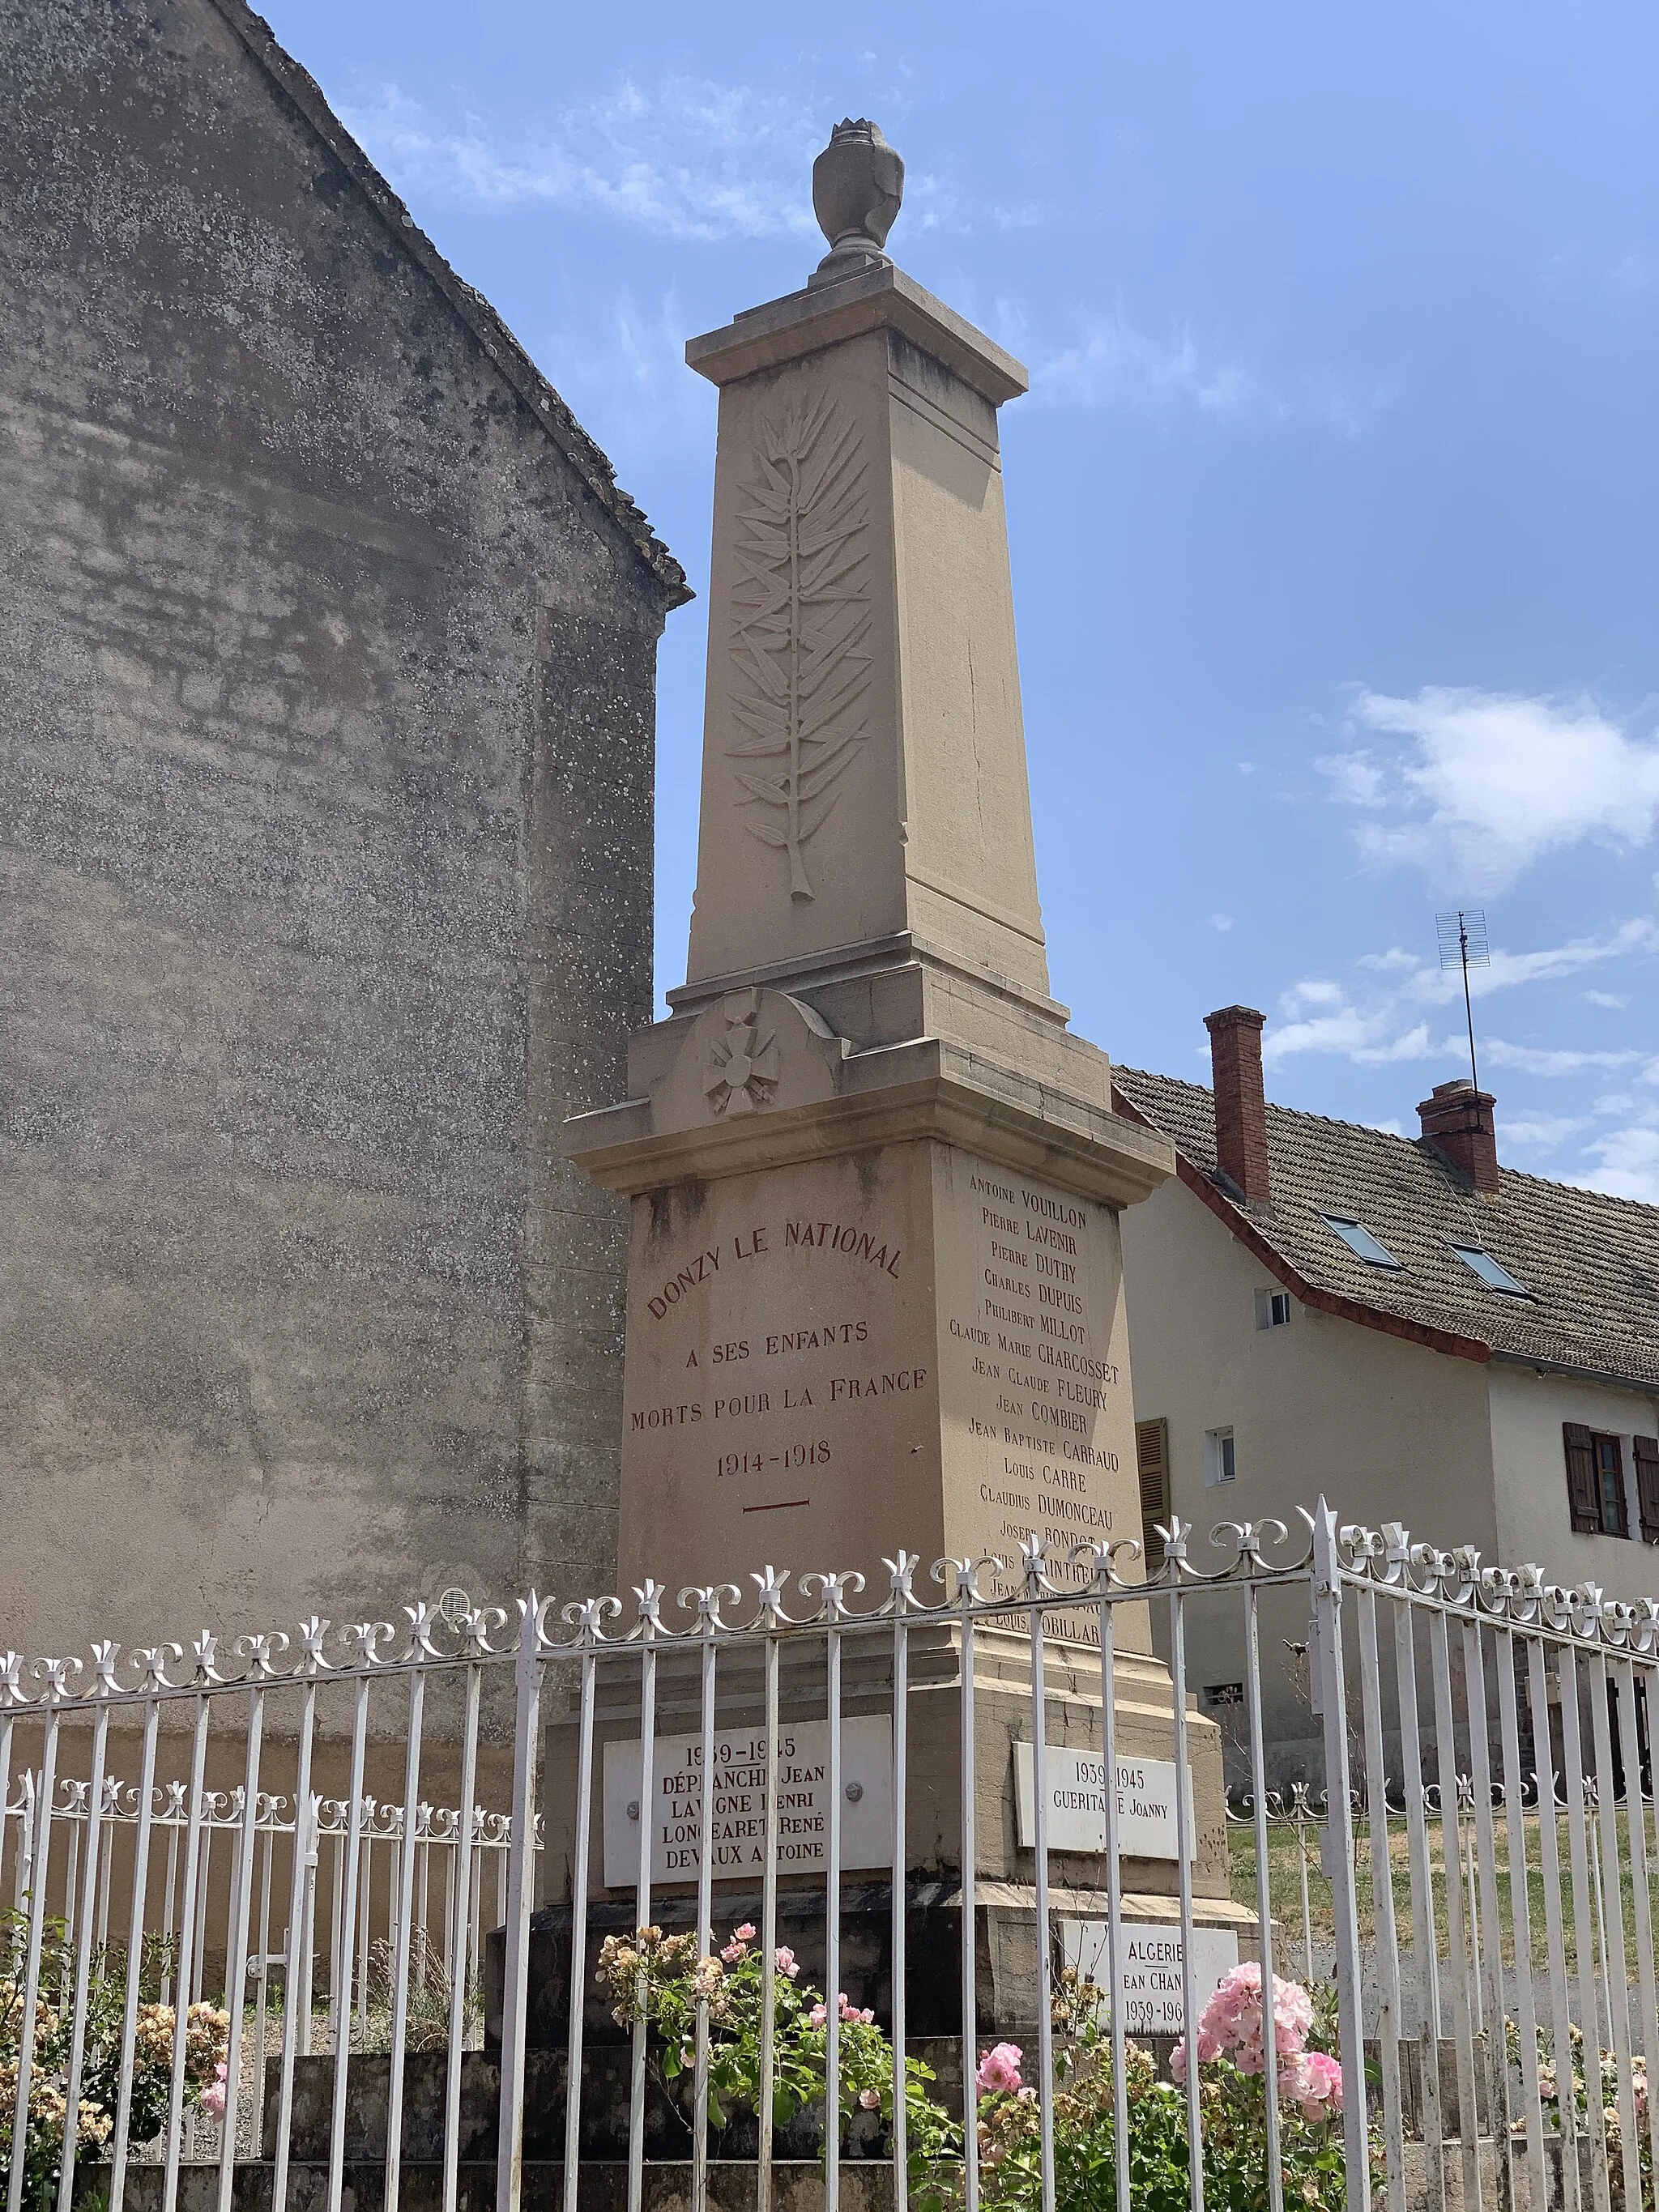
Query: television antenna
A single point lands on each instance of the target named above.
(1463, 944)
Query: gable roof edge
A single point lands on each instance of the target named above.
(514, 364)
(1234, 1219)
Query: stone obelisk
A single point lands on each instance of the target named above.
(875, 1294)
(875, 1281)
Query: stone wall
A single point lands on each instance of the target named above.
(327, 651)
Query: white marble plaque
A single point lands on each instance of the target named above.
(1076, 1804)
(1150, 1980)
(738, 1818)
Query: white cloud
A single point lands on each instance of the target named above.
(1221, 921)
(1541, 1132)
(1114, 364)
(1486, 784)
(626, 377)
(1628, 1161)
(1613, 998)
(1379, 1022)
(685, 158)
(1533, 1059)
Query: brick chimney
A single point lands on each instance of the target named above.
(1240, 1105)
(1457, 1120)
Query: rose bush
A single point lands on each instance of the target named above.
(1232, 2040)
(206, 2035)
(660, 1979)
(1549, 2096)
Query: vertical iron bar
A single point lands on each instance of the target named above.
(642, 1914)
(1183, 1813)
(1045, 2024)
(705, 1923)
(1615, 1971)
(402, 1934)
(1387, 1953)
(1584, 1927)
(1515, 1825)
(1635, 1831)
(262, 1981)
(970, 1859)
(1115, 1903)
(83, 1921)
(1338, 1846)
(522, 1874)
(1451, 1845)
(241, 1889)
(186, 1945)
(832, 1931)
(578, 1883)
(39, 1869)
(769, 1934)
(1490, 1959)
(296, 1991)
(901, 1853)
(1549, 1859)
(460, 1961)
(135, 1953)
(346, 1866)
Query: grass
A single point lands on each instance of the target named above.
(1286, 1849)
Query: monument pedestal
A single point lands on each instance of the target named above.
(875, 1279)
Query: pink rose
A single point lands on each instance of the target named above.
(871, 2100)
(786, 1961)
(213, 2097)
(998, 2071)
(1312, 2081)
(746, 1934)
(819, 2016)
(734, 1952)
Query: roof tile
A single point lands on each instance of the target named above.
(1589, 1261)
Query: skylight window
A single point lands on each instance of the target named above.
(1493, 1273)
(1360, 1242)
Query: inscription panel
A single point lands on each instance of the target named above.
(737, 1826)
(1036, 1387)
(781, 1397)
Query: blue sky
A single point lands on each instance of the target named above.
(1332, 507)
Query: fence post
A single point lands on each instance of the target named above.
(1339, 1852)
(522, 1875)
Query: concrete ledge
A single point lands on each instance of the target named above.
(602, 2186)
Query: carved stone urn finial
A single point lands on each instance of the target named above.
(858, 182)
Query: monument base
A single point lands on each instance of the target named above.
(1005, 1954)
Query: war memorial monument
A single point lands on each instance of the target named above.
(875, 1300)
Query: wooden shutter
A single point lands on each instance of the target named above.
(1583, 1500)
(1152, 1465)
(1646, 1449)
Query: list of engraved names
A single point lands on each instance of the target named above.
(1034, 1373)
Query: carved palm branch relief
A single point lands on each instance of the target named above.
(801, 663)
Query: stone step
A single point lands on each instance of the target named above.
(602, 2186)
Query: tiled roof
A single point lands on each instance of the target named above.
(1591, 1262)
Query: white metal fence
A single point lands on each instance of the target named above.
(1470, 1869)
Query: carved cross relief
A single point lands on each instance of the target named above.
(800, 663)
(741, 1065)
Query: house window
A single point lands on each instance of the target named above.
(1493, 1273)
(1219, 1462)
(1273, 1308)
(1596, 1481)
(1360, 1242)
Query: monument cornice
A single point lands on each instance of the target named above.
(882, 298)
(1076, 1146)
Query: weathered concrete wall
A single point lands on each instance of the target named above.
(326, 788)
